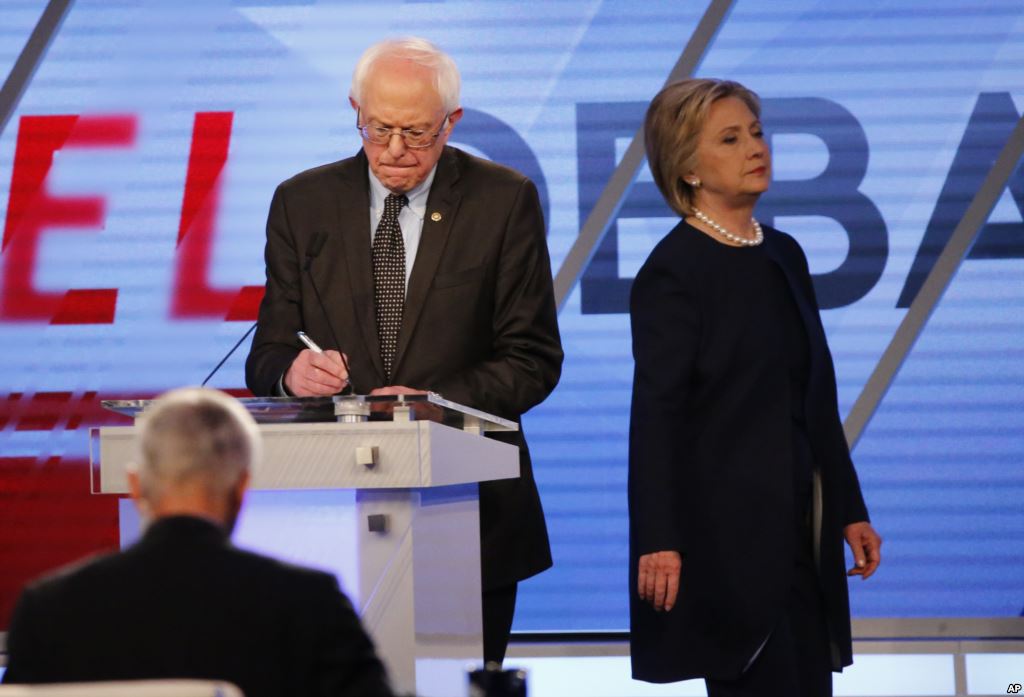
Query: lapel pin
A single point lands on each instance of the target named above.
(436, 217)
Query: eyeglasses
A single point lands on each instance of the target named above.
(415, 138)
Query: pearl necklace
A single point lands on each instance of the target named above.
(743, 241)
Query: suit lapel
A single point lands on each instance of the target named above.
(442, 203)
(354, 218)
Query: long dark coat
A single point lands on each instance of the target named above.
(711, 461)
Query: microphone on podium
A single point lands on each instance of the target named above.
(228, 354)
(312, 252)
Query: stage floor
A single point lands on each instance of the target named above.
(883, 668)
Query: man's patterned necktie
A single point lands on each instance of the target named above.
(389, 279)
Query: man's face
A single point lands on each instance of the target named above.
(400, 94)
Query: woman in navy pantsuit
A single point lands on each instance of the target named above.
(741, 487)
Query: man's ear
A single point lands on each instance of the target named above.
(135, 489)
(453, 118)
(354, 104)
(236, 500)
(134, 486)
(242, 485)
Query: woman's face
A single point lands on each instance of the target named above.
(734, 164)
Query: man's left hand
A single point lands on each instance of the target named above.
(866, 545)
(395, 389)
(424, 411)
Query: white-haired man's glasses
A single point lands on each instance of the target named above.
(415, 138)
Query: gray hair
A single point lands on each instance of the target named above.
(672, 129)
(192, 436)
(421, 52)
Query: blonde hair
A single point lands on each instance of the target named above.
(421, 52)
(672, 129)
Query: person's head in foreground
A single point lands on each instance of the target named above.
(196, 448)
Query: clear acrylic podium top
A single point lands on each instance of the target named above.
(351, 409)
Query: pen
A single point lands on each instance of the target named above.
(308, 342)
(304, 338)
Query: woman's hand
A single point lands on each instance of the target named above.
(658, 581)
(866, 546)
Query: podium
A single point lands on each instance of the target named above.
(380, 490)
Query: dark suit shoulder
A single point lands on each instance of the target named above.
(348, 168)
(471, 166)
(91, 570)
(481, 180)
(144, 559)
(261, 566)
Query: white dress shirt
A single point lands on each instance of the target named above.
(410, 218)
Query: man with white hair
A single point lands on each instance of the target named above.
(183, 602)
(419, 267)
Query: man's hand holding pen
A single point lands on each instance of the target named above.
(315, 372)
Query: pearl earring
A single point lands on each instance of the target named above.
(695, 183)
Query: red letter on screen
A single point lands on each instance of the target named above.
(193, 295)
(31, 210)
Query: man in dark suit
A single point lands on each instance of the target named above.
(419, 267)
(183, 602)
